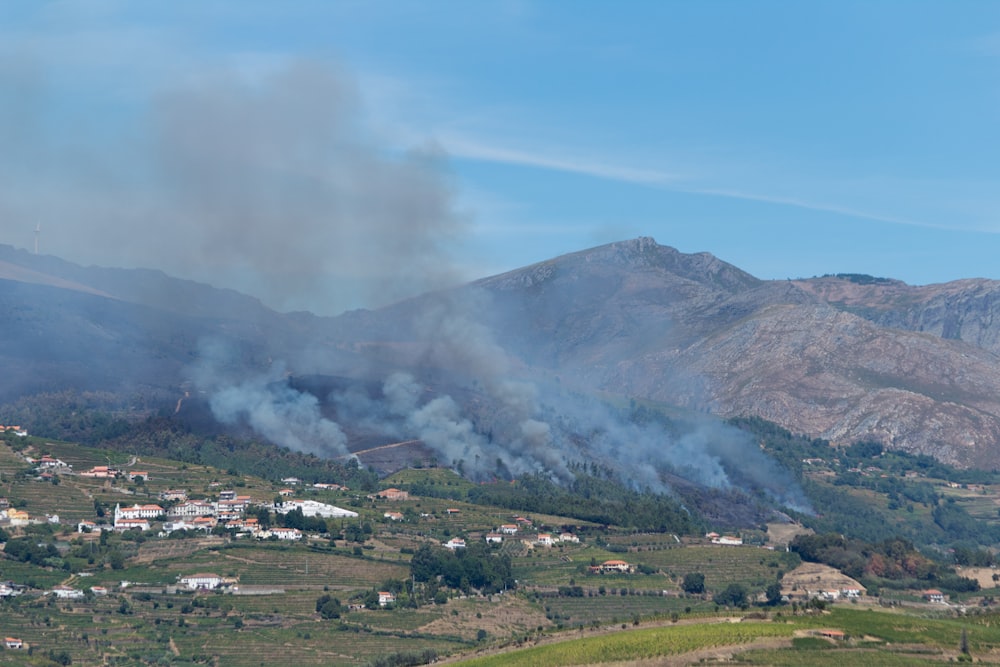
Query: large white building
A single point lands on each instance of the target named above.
(313, 508)
(192, 508)
(137, 512)
(202, 580)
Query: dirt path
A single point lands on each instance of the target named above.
(376, 449)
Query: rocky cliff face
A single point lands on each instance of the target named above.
(967, 310)
(912, 367)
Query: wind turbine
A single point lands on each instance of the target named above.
(38, 229)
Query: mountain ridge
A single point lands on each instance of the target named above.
(913, 367)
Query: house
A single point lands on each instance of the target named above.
(235, 524)
(137, 512)
(291, 481)
(9, 589)
(66, 592)
(228, 494)
(728, 540)
(850, 593)
(831, 634)
(171, 526)
(452, 510)
(569, 537)
(508, 529)
(287, 533)
(172, 495)
(13, 643)
(132, 524)
(522, 521)
(393, 494)
(544, 539)
(4, 503)
(286, 492)
(386, 598)
(98, 590)
(206, 523)
(394, 516)
(192, 508)
(616, 566)
(323, 486)
(87, 527)
(494, 538)
(50, 462)
(201, 581)
(137, 475)
(18, 517)
(455, 543)
(100, 472)
(934, 595)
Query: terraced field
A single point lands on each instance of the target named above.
(614, 608)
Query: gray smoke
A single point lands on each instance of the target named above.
(264, 401)
(273, 184)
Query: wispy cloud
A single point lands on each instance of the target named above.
(462, 147)
(473, 150)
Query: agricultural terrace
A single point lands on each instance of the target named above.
(870, 637)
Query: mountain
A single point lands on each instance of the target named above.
(843, 358)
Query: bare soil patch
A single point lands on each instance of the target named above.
(984, 575)
(811, 579)
(780, 534)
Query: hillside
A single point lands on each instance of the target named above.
(840, 358)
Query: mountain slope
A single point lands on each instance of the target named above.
(843, 358)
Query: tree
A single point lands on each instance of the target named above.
(328, 606)
(773, 593)
(694, 583)
(733, 595)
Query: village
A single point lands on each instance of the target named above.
(135, 533)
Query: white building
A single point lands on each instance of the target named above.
(132, 524)
(286, 533)
(192, 508)
(66, 592)
(137, 512)
(455, 543)
(203, 580)
(313, 508)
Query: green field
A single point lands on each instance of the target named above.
(871, 638)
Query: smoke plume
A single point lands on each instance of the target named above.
(271, 182)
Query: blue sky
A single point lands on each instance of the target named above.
(789, 138)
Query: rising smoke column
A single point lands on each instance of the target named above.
(263, 400)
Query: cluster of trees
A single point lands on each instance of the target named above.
(475, 567)
(29, 550)
(296, 519)
(891, 560)
(590, 498)
(328, 606)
